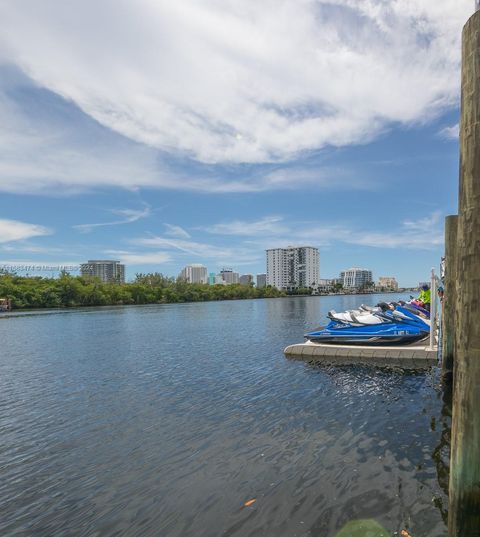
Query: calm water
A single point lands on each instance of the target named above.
(165, 420)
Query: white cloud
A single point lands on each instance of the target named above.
(238, 82)
(222, 255)
(49, 146)
(140, 258)
(423, 234)
(176, 231)
(426, 233)
(13, 230)
(129, 216)
(267, 225)
(450, 133)
(273, 231)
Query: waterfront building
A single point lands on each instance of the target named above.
(356, 278)
(293, 267)
(106, 270)
(261, 280)
(194, 274)
(211, 278)
(229, 276)
(246, 279)
(326, 285)
(388, 283)
(219, 280)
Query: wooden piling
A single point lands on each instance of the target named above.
(450, 297)
(464, 487)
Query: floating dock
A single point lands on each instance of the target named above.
(415, 356)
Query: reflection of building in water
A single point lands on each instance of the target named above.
(298, 307)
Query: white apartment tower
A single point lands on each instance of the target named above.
(106, 270)
(356, 278)
(293, 267)
(261, 280)
(194, 274)
(229, 276)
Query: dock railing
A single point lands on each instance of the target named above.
(433, 310)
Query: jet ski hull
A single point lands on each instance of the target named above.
(385, 334)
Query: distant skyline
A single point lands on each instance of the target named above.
(163, 134)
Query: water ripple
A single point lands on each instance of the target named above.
(165, 420)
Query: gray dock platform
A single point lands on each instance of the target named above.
(415, 356)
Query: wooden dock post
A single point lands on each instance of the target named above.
(450, 297)
(464, 486)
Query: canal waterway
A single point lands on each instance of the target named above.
(165, 420)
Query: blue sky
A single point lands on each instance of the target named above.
(205, 132)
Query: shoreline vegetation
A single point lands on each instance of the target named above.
(67, 291)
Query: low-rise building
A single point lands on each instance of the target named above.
(387, 283)
(326, 285)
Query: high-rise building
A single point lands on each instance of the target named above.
(211, 278)
(261, 280)
(106, 270)
(194, 274)
(387, 282)
(219, 280)
(229, 276)
(246, 279)
(356, 278)
(293, 267)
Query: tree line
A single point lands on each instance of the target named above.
(69, 291)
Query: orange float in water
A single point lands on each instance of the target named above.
(250, 502)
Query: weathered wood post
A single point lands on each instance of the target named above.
(450, 297)
(464, 488)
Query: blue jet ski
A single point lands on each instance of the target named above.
(373, 326)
